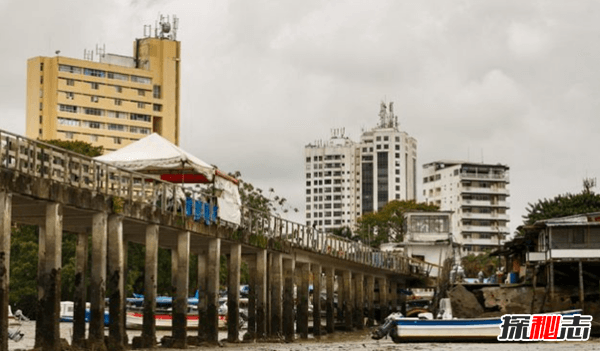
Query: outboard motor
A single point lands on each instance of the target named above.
(15, 335)
(384, 329)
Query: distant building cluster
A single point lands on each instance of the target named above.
(346, 179)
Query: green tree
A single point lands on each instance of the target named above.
(387, 224)
(473, 264)
(80, 147)
(563, 205)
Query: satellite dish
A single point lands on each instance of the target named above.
(166, 27)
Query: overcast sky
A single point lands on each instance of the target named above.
(511, 82)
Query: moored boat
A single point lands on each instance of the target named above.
(415, 329)
(135, 320)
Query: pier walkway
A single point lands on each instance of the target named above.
(61, 191)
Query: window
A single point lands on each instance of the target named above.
(141, 105)
(41, 106)
(68, 122)
(157, 107)
(70, 69)
(118, 89)
(117, 127)
(115, 114)
(70, 82)
(93, 138)
(68, 135)
(93, 111)
(68, 108)
(41, 66)
(94, 125)
(118, 102)
(139, 130)
(69, 95)
(397, 147)
(118, 76)
(94, 86)
(378, 138)
(117, 140)
(385, 138)
(141, 92)
(138, 117)
(94, 72)
(156, 93)
(94, 98)
(40, 119)
(397, 139)
(142, 80)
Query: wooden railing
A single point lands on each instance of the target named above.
(45, 161)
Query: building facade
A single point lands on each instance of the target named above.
(111, 102)
(477, 194)
(345, 179)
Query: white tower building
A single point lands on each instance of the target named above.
(477, 194)
(345, 179)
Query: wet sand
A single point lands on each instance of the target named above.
(339, 341)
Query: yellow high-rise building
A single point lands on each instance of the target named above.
(111, 103)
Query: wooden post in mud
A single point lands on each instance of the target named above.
(302, 298)
(233, 293)
(79, 297)
(49, 304)
(212, 290)
(115, 284)
(348, 299)
(316, 299)
(359, 301)
(261, 294)
(383, 298)
(202, 296)
(288, 299)
(329, 304)
(370, 300)
(5, 228)
(276, 301)
(180, 302)
(148, 339)
(98, 278)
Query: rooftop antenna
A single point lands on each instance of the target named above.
(88, 55)
(147, 30)
(100, 51)
(481, 155)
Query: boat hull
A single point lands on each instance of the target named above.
(164, 321)
(414, 329)
(440, 330)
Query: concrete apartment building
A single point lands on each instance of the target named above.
(477, 195)
(345, 179)
(113, 102)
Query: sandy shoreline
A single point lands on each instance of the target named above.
(346, 341)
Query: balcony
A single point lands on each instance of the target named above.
(564, 254)
(486, 176)
(485, 203)
(478, 190)
(485, 216)
(484, 229)
(480, 241)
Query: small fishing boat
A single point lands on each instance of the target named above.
(424, 328)
(67, 311)
(164, 320)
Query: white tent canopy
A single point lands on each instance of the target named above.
(154, 154)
